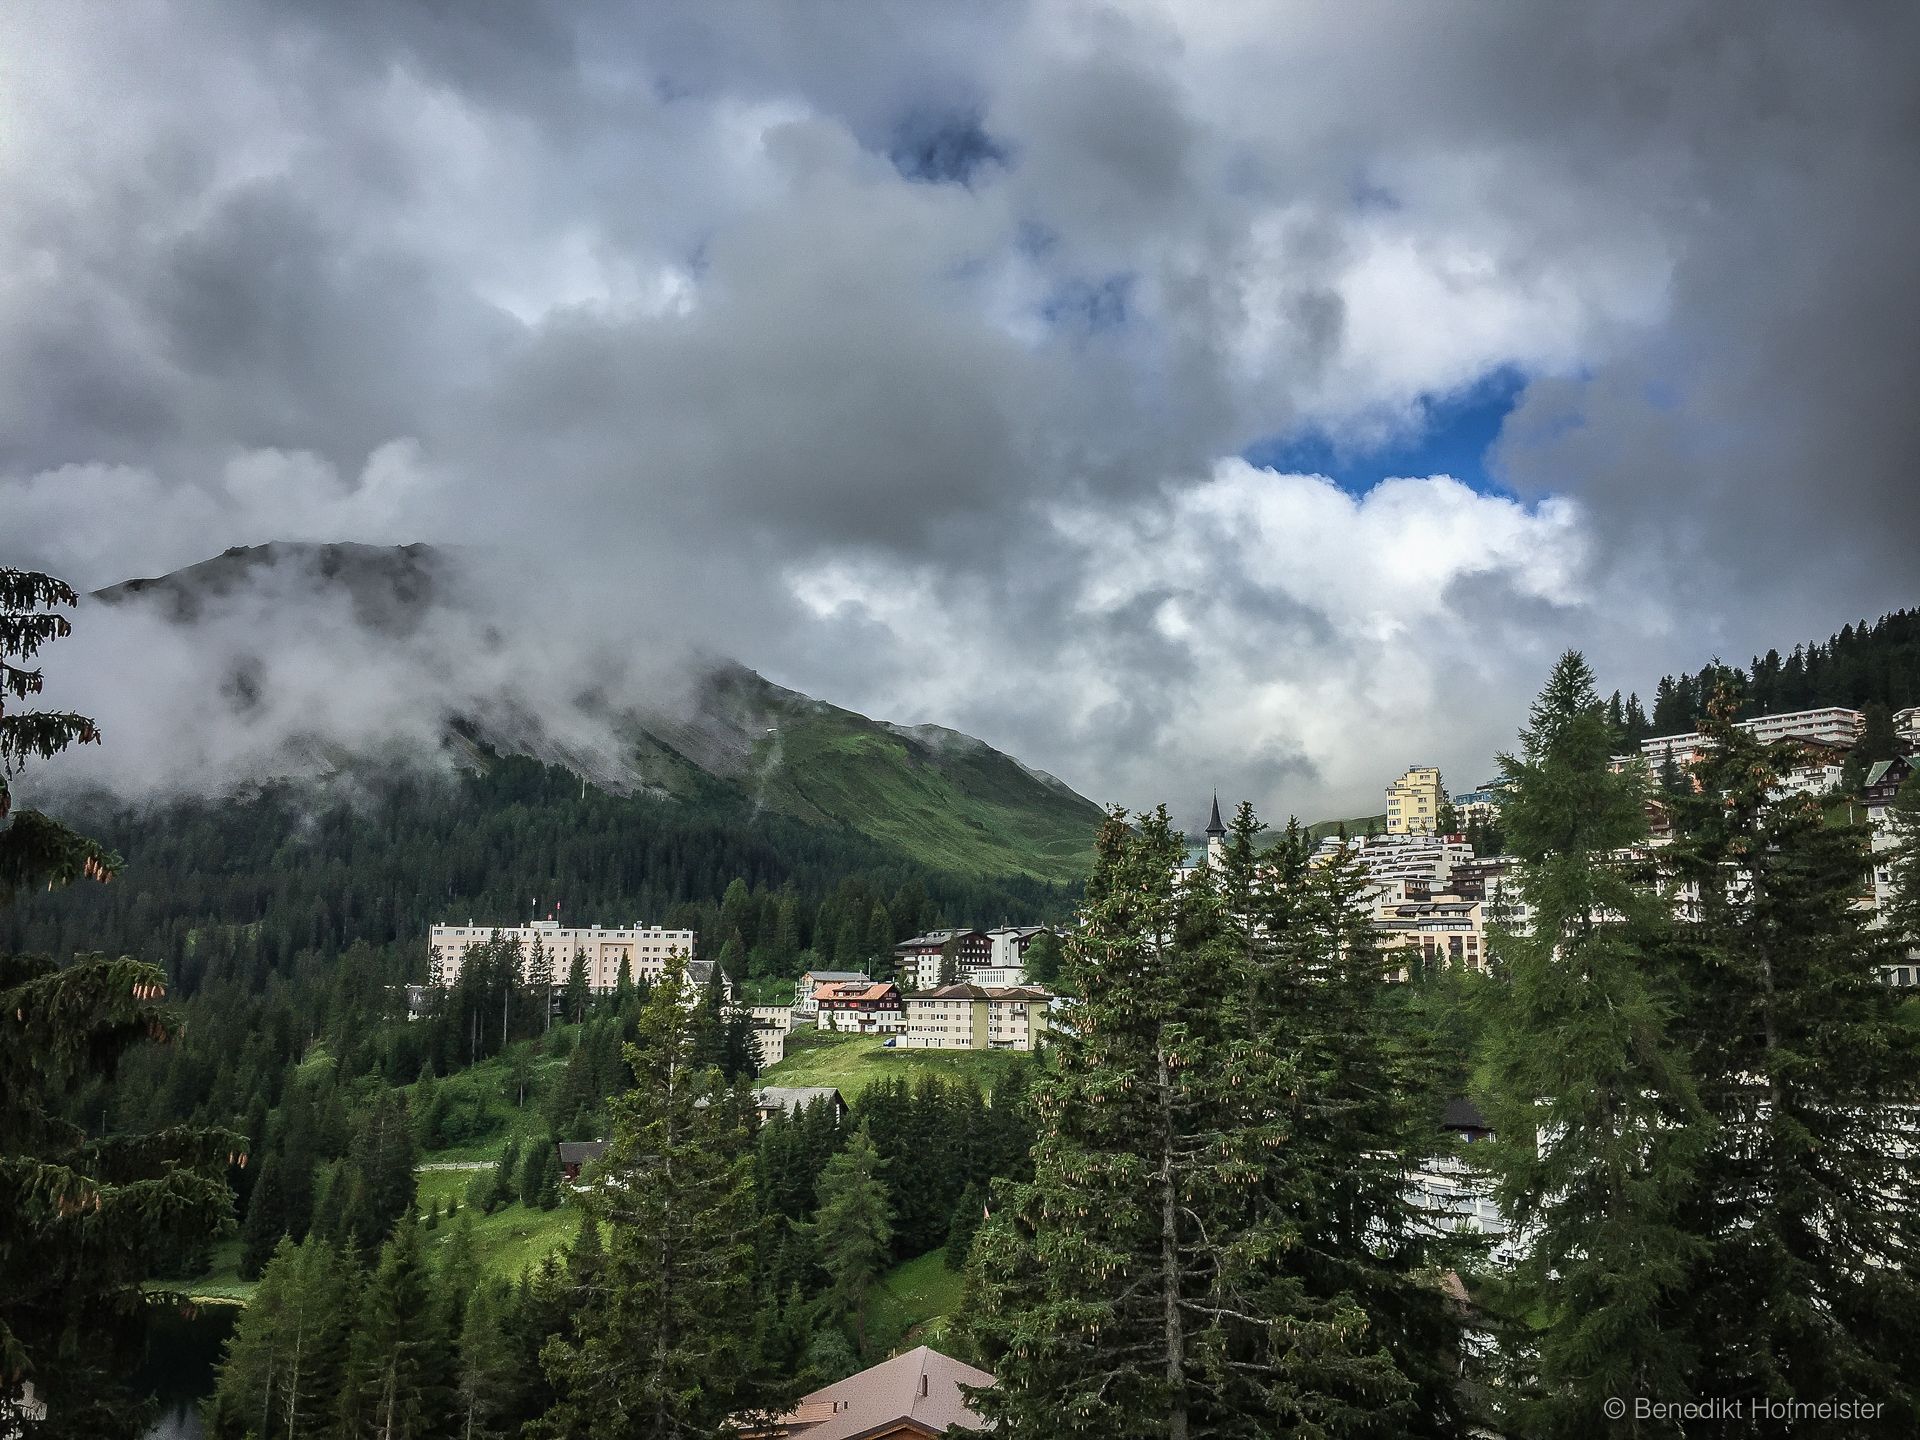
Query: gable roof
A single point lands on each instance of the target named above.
(856, 990)
(964, 991)
(920, 1386)
(823, 976)
(579, 1152)
(795, 1097)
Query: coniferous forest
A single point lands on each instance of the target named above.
(1198, 1211)
(1869, 666)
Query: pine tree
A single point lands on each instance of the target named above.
(1043, 959)
(285, 1363)
(1600, 1133)
(400, 1370)
(1371, 1091)
(35, 851)
(664, 1346)
(578, 997)
(964, 1225)
(1808, 1202)
(266, 1222)
(1130, 1289)
(506, 1176)
(487, 1360)
(87, 1219)
(853, 1231)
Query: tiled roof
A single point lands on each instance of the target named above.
(855, 990)
(986, 992)
(921, 1386)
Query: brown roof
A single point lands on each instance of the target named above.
(921, 1387)
(963, 991)
(856, 990)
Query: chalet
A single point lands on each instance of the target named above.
(771, 1100)
(577, 1154)
(808, 986)
(914, 1395)
(864, 1007)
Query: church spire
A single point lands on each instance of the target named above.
(1214, 827)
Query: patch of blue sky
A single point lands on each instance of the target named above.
(1453, 437)
(942, 147)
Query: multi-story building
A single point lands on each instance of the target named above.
(1010, 944)
(977, 1017)
(1906, 725)
(917, 959)
(1444, 931)
(1482, 805)
(1414, 801)
(807, 987)
(1833, 723)
(864, 1007)
(1884, 779)
(644, 949)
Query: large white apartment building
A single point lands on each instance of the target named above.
(1834, 724)
(644, 948)
(977, 1017)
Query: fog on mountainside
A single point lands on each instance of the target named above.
(321, 662)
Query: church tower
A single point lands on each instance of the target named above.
(1216, 836)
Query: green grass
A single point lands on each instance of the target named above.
(944, 799)
(1320, 829)
(853, 1062)
(506, 1242)
(222, 1282)
(911, 1304)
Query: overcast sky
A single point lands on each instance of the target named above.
(1176, 395)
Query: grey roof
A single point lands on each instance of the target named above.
(794, 1097)
(579, 1152)
(832, 975)
(1214, 827)
(1463, 1114)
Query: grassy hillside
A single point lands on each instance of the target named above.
(945, 799)
(1320, 829)
(911, 1304)
(853, 1062)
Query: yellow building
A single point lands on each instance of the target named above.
(1414, 801)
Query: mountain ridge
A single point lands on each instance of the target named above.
(937, 794)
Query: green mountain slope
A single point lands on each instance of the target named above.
(732, 739)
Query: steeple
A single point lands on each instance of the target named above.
(1214, 827)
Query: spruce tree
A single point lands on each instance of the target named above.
(1599, 1132)
(1808, 1203)
(663, 1345)
(266, 1221)
(1129, 1289)
(400, 1372)
(87, 1218)
(1370, 1094)
(853, 1231)
(487, 1361)
(578, 997)
(286, 1361)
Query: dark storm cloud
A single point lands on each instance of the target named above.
(902, 350)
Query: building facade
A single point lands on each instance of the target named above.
(808, 986)
(644, 949)
(1414, 801)
(977, 1017)
(861, 1007)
